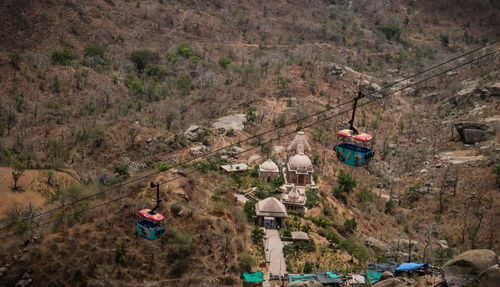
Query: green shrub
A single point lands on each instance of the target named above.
(135, 87)
(140, 59)
(156, 72)
(350, 225)
(345, 185)
(185, 50)
(15, 59)
(442, 255)
(389, 206)
(62, 57)
(94, 51)
(364, 195)
(246, 262)
(355, 250)
(97, 136)
(330, 235)
(312, 198)
(298, 212)
(163, 166)
(185, 82)
(308, 267)
(121, 169)
(224, 62)
(121, 249)
(390, 31)
(175, 208)
(283, 81)
(257, 235)
(320, 221)
(285, 232)
(445, 40)
(230, 133)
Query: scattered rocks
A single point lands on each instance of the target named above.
(192, 133)
(386, 275)
(333, 71)
(467, 267)
(198, 150)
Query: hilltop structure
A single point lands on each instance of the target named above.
(268, 170)
(298, 173)
(295, 199)
(271, 213)
(299, 169)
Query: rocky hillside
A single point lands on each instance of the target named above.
(95, 93)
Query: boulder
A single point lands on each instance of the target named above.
(386, 275)
(442, 244)
(375, 244)
(471, 133)
(489, 277)
(392, 282)
(465, 268)
(192, 133)
(494, 89)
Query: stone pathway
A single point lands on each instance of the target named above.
(274, 253)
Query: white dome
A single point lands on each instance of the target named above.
(269, 165)
(300, 161)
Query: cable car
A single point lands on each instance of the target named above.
(349, 153)
(151, 225)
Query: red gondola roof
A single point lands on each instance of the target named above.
(151, 215)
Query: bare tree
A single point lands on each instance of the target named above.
(134, 131)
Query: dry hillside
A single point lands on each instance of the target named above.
(96, 93)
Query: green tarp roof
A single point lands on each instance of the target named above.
(373, 276)
(253, 277)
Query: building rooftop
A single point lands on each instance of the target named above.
(299, 235)
(235, 167)
(295, 196)
(270, 207)
(269, 166)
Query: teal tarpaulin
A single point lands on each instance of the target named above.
(373, 276)
(305, 277)
(332, 275)
(253, 277)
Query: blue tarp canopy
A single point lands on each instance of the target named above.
(411, 266)
(253, 277)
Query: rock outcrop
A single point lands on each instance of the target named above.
(471, 133)
(376, 245)
(468, 267)
(192, 133)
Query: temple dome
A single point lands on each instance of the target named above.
(269, 166)
(301, 161)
